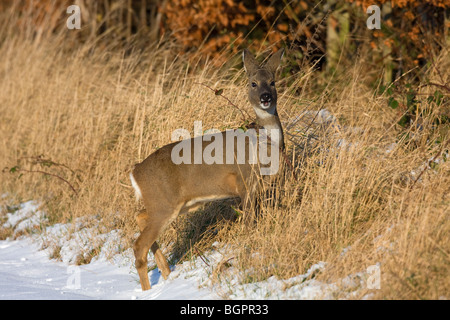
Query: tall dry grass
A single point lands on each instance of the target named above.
(354, 202)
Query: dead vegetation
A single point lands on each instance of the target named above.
(363, 183)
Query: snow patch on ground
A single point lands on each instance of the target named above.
(25, 218)
(28, 271)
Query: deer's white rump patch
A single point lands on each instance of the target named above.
(137, 190)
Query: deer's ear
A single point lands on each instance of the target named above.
(274, 62)
(250, 64)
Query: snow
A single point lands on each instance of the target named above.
(27, 273)
(27, 270)
(25, 218)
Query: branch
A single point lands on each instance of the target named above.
(200, 255)
(17, 169)
(219, 92)
(46, 162)
(442, 86)
(429, 162)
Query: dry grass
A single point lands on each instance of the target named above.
(98, 111)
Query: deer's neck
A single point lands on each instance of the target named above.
(269, 120)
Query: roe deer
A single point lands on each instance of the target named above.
(169, 188)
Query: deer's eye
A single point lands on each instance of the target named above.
(272, 83)
(254, 84)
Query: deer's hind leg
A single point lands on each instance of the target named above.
(161, 261)
(150, 230)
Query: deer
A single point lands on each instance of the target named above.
(169, 188)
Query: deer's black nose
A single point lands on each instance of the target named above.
(265, 97)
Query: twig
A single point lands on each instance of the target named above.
(125, 185)
(53, 175)
(200, 255)
(46, 162)
(429, 162)
(443, 86)
(45, 173)
(219, 92)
